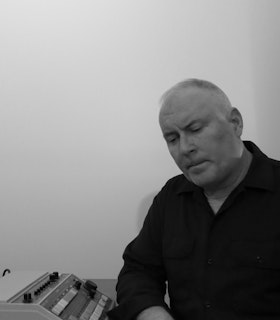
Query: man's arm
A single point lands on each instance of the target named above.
(154, 313)
(142, 280)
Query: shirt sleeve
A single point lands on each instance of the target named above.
(142, 280)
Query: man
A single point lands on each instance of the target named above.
(212, 234)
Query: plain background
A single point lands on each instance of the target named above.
(81, 152)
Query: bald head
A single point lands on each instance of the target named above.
(170, 96)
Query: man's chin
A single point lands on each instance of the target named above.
(200, 181)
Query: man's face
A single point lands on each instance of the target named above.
(202, 136)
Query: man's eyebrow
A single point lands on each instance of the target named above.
(192, 122)
(189, 124)
(168, 133)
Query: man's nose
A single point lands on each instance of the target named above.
(187, 145)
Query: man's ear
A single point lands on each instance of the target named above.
(237, 121)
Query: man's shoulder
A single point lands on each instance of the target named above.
(179, 179)
(267, 174)
(264, 169)
(262, 158)
(178, 184)
(275, 164)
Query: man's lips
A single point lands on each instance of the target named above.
(196, 164)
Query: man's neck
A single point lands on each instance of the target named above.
(240, 172)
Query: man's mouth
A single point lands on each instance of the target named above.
(196, 164)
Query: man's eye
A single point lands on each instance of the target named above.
(171, 140)
(196, 129)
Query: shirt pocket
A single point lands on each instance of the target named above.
(255, 277)
(263, 254)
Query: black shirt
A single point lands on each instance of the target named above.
(224, 266)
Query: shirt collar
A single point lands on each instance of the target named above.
(260, 174)
(186, 186)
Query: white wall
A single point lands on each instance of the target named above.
(81, 151)
(265, 41)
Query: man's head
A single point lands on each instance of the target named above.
(203, 133)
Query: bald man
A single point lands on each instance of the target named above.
(212, 234)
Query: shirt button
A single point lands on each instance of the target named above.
(259, 259)
(207, 305)
(210, 261)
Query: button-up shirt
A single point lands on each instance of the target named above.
(222, 266)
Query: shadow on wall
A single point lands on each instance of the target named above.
(143, 208)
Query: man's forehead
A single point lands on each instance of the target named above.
(191, 98)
